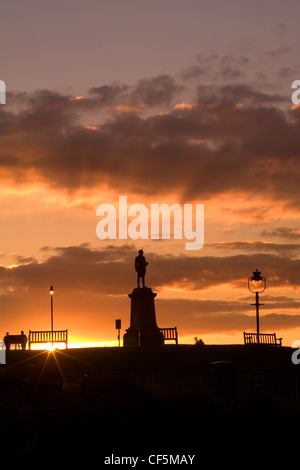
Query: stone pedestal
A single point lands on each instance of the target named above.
(143, 329)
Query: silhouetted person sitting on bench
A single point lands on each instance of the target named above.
(19, 341)
(140, 267)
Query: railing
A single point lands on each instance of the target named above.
(210, 384)
(264, 338)
(55, 336)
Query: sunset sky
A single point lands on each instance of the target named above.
(165, 102)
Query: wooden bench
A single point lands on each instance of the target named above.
(264, 338)
(170, 334)
(43, 337)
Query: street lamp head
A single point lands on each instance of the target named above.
(256, 283)
(51, 290)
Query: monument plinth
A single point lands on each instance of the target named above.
(143, 329)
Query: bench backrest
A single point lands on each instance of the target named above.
(170, 334)
(55, 336)
(264, 338)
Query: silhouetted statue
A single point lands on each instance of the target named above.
(140, 267)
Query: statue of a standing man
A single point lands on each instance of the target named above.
(140, 267)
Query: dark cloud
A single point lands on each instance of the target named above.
(192, 72)
(279, 52)
(24, 260)
(108, 95)
(287, 72)
(110, 270)
(232, 139)
(232, 68)
(149, 92)
(217, 67)
(282, 28)
(155, 91)
(284, 249)
(283, 232)
(208, 271)
(281, 302)
(236, 94)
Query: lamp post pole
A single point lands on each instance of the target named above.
(257, 285)
(257, 304)
(51, 290)
(257, 315)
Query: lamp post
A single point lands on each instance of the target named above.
(51, 290)
(257, 285)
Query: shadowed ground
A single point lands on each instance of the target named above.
(132, 401)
